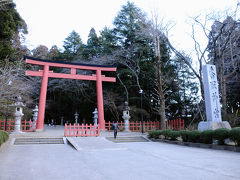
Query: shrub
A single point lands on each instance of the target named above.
(166, 132)
(206, 136)
(234, 135)
(173, 135)
(3, 136)
(194, 136)
(184, 134)
(154, 134)
(221, 134)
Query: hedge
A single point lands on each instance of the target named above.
(184, 134)
(206, 136)
(194, 136)
(3, 136)
(165, 133)
(154, 134)
(221, 134)
(234, 135)
(173, 135)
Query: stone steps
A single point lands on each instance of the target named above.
(128, 139)
(22, 141)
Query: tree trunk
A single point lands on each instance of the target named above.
(160, 84)
(224, 97)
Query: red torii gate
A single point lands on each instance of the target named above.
(45, 74)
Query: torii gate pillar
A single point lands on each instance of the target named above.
(42, 99)
(100, 100)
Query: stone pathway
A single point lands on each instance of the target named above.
(100, 159)
(93, 144)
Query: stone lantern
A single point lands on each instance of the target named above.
(126, 116)
(62, 119)
(95, 116)
(76, 117)
(35, 115)
(18, 114)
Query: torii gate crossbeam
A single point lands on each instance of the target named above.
(45, 74)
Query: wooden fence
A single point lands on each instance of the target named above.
(134, 126)
(81, 130)
(26, 126)
(176, 124)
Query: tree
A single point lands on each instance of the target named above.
(223, 48)
(4, 4)
(13, 83)
(93, 45)
(54, 52)
(108, 41)
(134, 47)
(40, 52)
(159, 82)
(128, 23)
(11, 26)
(72, 46)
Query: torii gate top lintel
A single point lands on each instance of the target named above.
(73, 67)
(45, 74)
(64, 64)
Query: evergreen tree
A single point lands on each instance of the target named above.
(132, 51)
(128, 23)
(108, 41)
(184, 91)
(72, 46)
(93, 45)
(10, 27)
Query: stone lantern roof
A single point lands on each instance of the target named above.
(19, 102)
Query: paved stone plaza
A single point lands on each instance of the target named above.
(100, 159)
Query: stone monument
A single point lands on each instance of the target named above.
(95, 116)
(18, 114)
(212, 102)
(126, 116)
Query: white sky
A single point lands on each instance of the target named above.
(51, 21)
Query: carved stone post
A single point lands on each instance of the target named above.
(212, 102)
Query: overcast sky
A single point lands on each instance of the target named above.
(51, 21)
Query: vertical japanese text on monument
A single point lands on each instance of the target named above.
(214, 95)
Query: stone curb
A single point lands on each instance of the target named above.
(200, 145)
